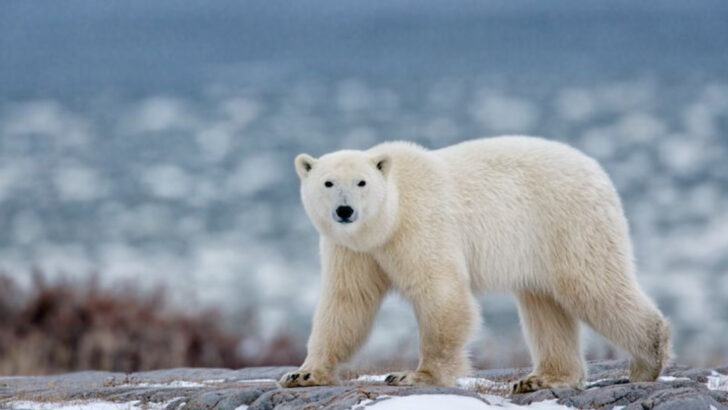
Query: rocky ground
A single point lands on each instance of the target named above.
(254, 388)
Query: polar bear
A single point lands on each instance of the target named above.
(520, 214)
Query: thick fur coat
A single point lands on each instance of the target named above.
(520, 214)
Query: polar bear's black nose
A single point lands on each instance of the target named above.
(344, 212)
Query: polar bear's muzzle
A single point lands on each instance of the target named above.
(345, 214)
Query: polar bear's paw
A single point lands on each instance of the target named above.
(305, 378)
(529, 384)
(535, 382)
(410, 378)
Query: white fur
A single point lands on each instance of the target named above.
(521, 214)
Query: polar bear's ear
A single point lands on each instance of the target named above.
(304, 164)
(383, 163)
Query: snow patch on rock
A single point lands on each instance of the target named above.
(451, 401)
(717, 381)
(174, 384)
(87, 405)
(480, 384)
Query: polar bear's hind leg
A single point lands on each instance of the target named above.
(552, 334)
(629, 319)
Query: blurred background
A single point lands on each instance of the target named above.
(149, 210)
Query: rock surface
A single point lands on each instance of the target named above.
(255, 388)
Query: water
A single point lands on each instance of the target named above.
(154, 142)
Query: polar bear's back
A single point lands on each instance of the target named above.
(526, 169)
(517, 153)
(526, 205)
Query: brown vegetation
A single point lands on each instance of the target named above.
(64, 326)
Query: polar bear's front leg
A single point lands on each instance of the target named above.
(446, 314)
(354, 287)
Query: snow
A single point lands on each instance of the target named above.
(47, 118)
(257, 172)
(501, 113)
(214, 143)
(467, 383)
(575, 104)
(167, 181)
(27, 227)
(14, 174)
(353, 95)
(479, 384)
(168, 385)
(376, 378)
(359, 138)
(451, 401)
(681, 153)
(717, 381)
(75, 182)
(159, 114)
(640, 127)
(239, 112)
(672, 378)
(174, 384)
(436, 401)
(85, 405)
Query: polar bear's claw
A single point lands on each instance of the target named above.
(303, 378)
(410, 379)
(398, 379)
(535, 382)
(527, 385)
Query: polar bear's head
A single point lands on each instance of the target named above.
(345, 191)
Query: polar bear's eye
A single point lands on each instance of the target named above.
(328, 184)
(362, 183)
